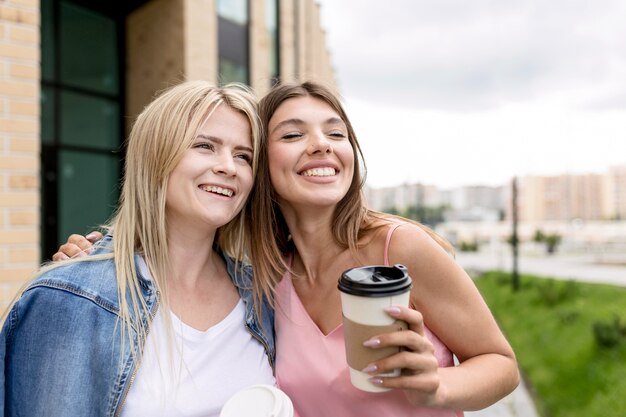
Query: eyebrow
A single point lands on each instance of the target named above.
(299, 122)
(221, 142)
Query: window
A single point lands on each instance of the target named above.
(81, 119)
(233, 44)
(271, 23)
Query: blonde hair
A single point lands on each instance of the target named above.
(352, 220)
(161, 134)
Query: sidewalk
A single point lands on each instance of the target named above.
(594, 268)
(517, 404)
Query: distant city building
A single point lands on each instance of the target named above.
(75, 73)
(617, 192)
(471, 203)
(476, 203)
(573, 197)
(403, 196)
(567, 197)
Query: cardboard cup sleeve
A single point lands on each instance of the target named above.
(359, 356)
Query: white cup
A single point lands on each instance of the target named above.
(365, 293)
(258, 401)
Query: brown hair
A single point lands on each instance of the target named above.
(269, 232)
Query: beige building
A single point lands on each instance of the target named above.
(74, 73)
(570, 197)
(616, 185)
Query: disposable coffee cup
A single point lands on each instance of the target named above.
(365, 292)
(258, 401)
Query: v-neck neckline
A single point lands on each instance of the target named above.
(294, 295)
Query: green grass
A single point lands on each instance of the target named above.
(550, 325)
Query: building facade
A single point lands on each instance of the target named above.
(402, 196)
(75, 73)
(586, 197)
(558, 198)
(470, 203)
(616, 185)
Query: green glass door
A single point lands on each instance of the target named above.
(81, 119)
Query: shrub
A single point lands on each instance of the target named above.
(552, 241)
(552, 292)
(539, 236)
(468, 246)
(608, 334)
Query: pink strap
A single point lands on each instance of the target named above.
(392, 228)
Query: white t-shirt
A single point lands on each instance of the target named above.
(196, 373)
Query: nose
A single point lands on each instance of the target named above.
(225, 164)
(319, 144)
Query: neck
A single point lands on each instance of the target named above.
(311, 231)
(191, 255)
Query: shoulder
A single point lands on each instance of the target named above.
(91, 279)
(417, 248)
(409, 232)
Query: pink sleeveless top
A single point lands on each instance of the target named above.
(311, 367)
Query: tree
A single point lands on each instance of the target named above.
(552, 240)
(428, 215)
(392, 210)
(539, 236)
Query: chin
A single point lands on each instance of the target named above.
(327, 201)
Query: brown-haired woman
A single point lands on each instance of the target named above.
(310, 223)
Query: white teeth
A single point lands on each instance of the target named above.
(319, 172)
(217, 190)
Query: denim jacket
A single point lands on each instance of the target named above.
(61, 352)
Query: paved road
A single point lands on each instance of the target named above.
(606, 269)
(597, 268)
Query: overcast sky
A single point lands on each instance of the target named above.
(465, 92)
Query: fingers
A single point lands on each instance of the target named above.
(76, 245)
(93, 237)
(413, 339)
(423, 387)
(81, 242)
(417, 356)
(416, 359)
(412, 363)
(413, 317)
(419, 373)
(60, 256)
(67, 251)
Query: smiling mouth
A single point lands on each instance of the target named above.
(217, 190)
(319, 172)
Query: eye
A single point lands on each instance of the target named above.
(245, 157)
(291, 135)
(338, 134)
(204, 145)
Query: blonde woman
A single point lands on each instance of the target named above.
(161, 320)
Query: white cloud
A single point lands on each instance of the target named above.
(454, 92)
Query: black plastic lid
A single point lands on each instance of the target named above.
(375, 281)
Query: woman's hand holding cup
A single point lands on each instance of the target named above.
(420, 377)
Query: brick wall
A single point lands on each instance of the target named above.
(167, 41)
(19, 144)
